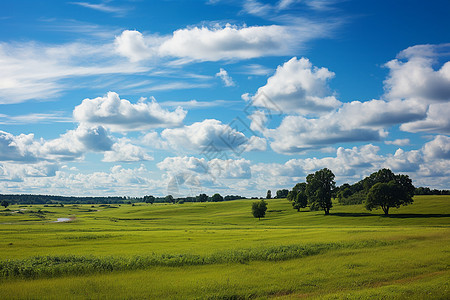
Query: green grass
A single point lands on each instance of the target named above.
(219, 251)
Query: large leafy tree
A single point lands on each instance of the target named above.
(319, 189)
(298, 196)
(259, 209)
(269, 194)
(394, 193)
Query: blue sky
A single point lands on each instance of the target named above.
(185, 97)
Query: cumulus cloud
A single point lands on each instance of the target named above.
(439, 148)
(207, 136)
(18, 172)
(135, 47)
(18, 148)
(74, 143)
(227, 80)
(436, 120)
(124, 151)
(412, 76)
(215, 168)
(353, 122)
(121, 115)
(297, 87)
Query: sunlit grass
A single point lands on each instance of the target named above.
(218, 250)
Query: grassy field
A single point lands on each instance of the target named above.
(219, 251)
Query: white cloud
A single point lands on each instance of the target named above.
(18, 172)
(298, 87)
(121, 115)
(255, 143)
(415, 78)
(124, 151)
(398, 142)
(18, 148)
(256, 8)
(438, 148)
(207, 136)
(34, 71)
(437, 120)
(232, 42)
(74, 143)
(119, 11)
(174, 165)
(135, 47)
(227, 80)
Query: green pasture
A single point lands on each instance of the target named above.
(219, 251)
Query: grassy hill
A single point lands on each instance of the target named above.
(219, 251)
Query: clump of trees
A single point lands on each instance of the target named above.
(259, 209)
(282, 193)
(382, 189)
(5, 203)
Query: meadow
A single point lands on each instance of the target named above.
(219, 251)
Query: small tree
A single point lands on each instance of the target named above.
(387, 195)
(216, 198)
(301, 200)
(319, 188)
(269, 194)
(149, 199)
(169, 199)
(259, 209)
(202, 198)
(5, 203)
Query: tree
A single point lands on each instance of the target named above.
(269, 194)
(149, 199)
(301, 199)
(216, 198)
(387, 195)
(282, 193)
(5, 203)
(202, 198)
(169, 199)
(259, 209)
(319, 187)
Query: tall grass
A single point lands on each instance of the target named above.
(53, 266)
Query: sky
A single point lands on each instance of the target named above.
(134, 98)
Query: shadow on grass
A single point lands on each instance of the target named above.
(418, 216)
(400, 216)
(352, 214)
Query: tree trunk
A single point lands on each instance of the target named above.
(327, 211)
(386, 210)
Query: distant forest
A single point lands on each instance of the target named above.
(50, 199)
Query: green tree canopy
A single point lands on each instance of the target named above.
(169, 199)
(319, 188)
(149, 199)
(216, 198)
(5, 203)
(259, 209)
(269, 194)
(392, 194)
(202, 198)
